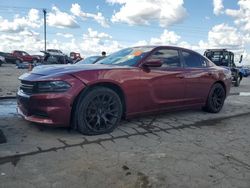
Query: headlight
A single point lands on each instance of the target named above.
(52, 86)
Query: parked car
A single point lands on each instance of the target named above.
(2, 58)
(139, 80)
(8, 57)
(76, 57)
(244, 71)
(22, 56)
(55, 58)
(37, 58)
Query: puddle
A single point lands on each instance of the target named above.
(8, 108)
(244, 93)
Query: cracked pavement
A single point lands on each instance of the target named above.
(179, 149)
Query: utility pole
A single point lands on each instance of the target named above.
(44, 19)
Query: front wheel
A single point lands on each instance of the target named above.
(18, 61)
(216, 98)
(98, 111)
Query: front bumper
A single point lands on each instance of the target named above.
(51, 109)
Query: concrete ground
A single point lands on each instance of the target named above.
(9, 79)
(179, 149)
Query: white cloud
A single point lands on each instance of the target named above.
(225, 36)
(61, 19)
(218, 7)
(144, 12)
(95, 42)
(166, 38)
(32, 20)
(27, 32)
(99, 18)
(96, 35)
(24, 41)
(66, 35)
(242, 15)
(91, 43)
(33, 15)
(228, 37)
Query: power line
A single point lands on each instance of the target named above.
(20, 7)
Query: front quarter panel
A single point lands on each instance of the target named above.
(128, 79)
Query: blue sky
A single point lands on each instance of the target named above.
(92, 26)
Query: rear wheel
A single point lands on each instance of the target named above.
(216, 98)
(98, 111)
(237, 81)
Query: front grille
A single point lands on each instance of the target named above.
(27, 87)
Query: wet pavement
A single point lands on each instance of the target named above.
(8, 108)
(181, 149)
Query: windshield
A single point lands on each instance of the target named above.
(24, 53)
(89, 60)
(127, 56)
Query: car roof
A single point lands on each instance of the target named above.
(163, 46)
(169, 46)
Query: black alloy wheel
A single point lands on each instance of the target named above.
(98, 111)
(216, 98)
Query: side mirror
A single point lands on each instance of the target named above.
(241, 56)
(153, 63)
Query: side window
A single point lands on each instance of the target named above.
(169, 57)
(204, 62)
(193, 60)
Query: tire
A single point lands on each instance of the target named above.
(237, 81)
(34, 61)
(98, 111)
(216, 98)
(17, 61)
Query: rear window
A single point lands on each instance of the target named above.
(193, 60)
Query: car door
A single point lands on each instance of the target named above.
(197, 76)
(163, 87)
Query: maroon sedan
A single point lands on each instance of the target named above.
(139, 80)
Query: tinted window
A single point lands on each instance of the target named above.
(170, 58)
(193, 60)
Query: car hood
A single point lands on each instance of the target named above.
(70, 69)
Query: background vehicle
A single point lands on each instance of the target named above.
(223, 57)
(54, 51)
(2, 58)
(140, 80)
(53, 57)
(22, 56)
(75, 57)
(9, 58)
(244, 71)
